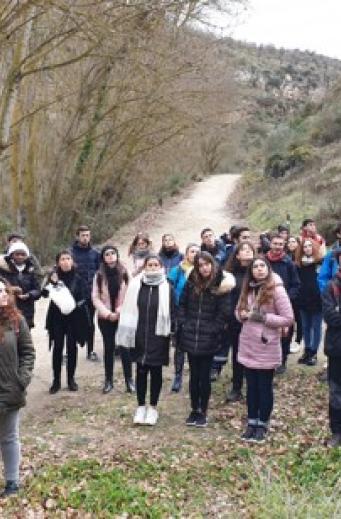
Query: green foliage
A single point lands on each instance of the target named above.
(296, 157)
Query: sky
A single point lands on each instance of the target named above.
(303, 24)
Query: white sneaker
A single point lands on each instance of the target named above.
(294, 347)
(151, 416)
(140, 415)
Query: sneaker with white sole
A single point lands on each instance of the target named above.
(151, 416)
(140, 415)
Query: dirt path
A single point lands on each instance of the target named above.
(204, 204)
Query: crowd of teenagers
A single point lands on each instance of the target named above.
(256, 298)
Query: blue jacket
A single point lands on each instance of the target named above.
(170, 260)
(178, 279)
(287, 270)
(219, 252)
(328, 268)
(87, 261)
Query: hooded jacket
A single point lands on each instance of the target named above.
(202, 317)
(16, 365)
(331, 309)
(260, 342)
(27, 281)
(329, 267)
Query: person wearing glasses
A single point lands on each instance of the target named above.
(263, 308)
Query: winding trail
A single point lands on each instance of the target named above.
(203, 204)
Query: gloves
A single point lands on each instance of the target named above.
(256, 316)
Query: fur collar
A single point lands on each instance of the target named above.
(227, 283)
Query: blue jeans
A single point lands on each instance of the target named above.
(312, 330)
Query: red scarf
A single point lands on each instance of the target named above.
(271, 256)
(316, 237)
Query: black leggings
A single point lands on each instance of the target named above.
(142, 381)
(108, 330)
(62, 331)
(260, 398)
(199, 381)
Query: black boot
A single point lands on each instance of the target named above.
(179, 361)
(130, 385)
(108, 386)
(72, 385)
(10, 489)
(55, 386)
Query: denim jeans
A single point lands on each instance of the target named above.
(312, 330)
(260, 396)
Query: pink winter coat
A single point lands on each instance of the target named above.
(102, 301)
(267, 354)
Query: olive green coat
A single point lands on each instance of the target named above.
(17, 357)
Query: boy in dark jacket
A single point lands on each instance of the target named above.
(331, 308)
(87, 260)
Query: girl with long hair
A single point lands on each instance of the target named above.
(109, 287)
(237, 265)
(16, 365)
(308, 257)
(263, 309)
(145, 327)
(139, 249)
(74, 327)
(203, 314)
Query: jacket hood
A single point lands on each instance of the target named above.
(227, 283)
(3, 264)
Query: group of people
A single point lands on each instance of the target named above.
(232, 293)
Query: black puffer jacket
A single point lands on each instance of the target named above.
(202, 317)
(78, 322)
(331, 309)
(27, 281)
(151, 349)
(309, 297)
(239, 274)
(16, 365)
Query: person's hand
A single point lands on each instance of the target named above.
(244, 315)
(54, 277)
(23, 297)
(113, 316)
(17, 291)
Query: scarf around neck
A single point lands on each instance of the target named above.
(153, 278)
(129, 315)
(307, 260)
(275, 257)
(187, 267)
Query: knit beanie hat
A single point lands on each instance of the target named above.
(16, 247)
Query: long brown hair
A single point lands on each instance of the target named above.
(299, 253)
(233, 262)
(201, 283)
(9, 314)
(266, 290)
(139, 236)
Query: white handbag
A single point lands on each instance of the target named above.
(62, 297)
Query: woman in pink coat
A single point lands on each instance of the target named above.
(265, 310)
(108, 291)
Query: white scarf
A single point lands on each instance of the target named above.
(129, 315)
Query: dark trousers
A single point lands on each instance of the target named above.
(237, 368)
(221, 356)
(108, 330)
(90, 342)
(312, 330)
(285, 344)
(334, 380)
(298, 320)
(260, 397)
(199, 381)
(179, 361)
(142, 371)
(64, 330)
